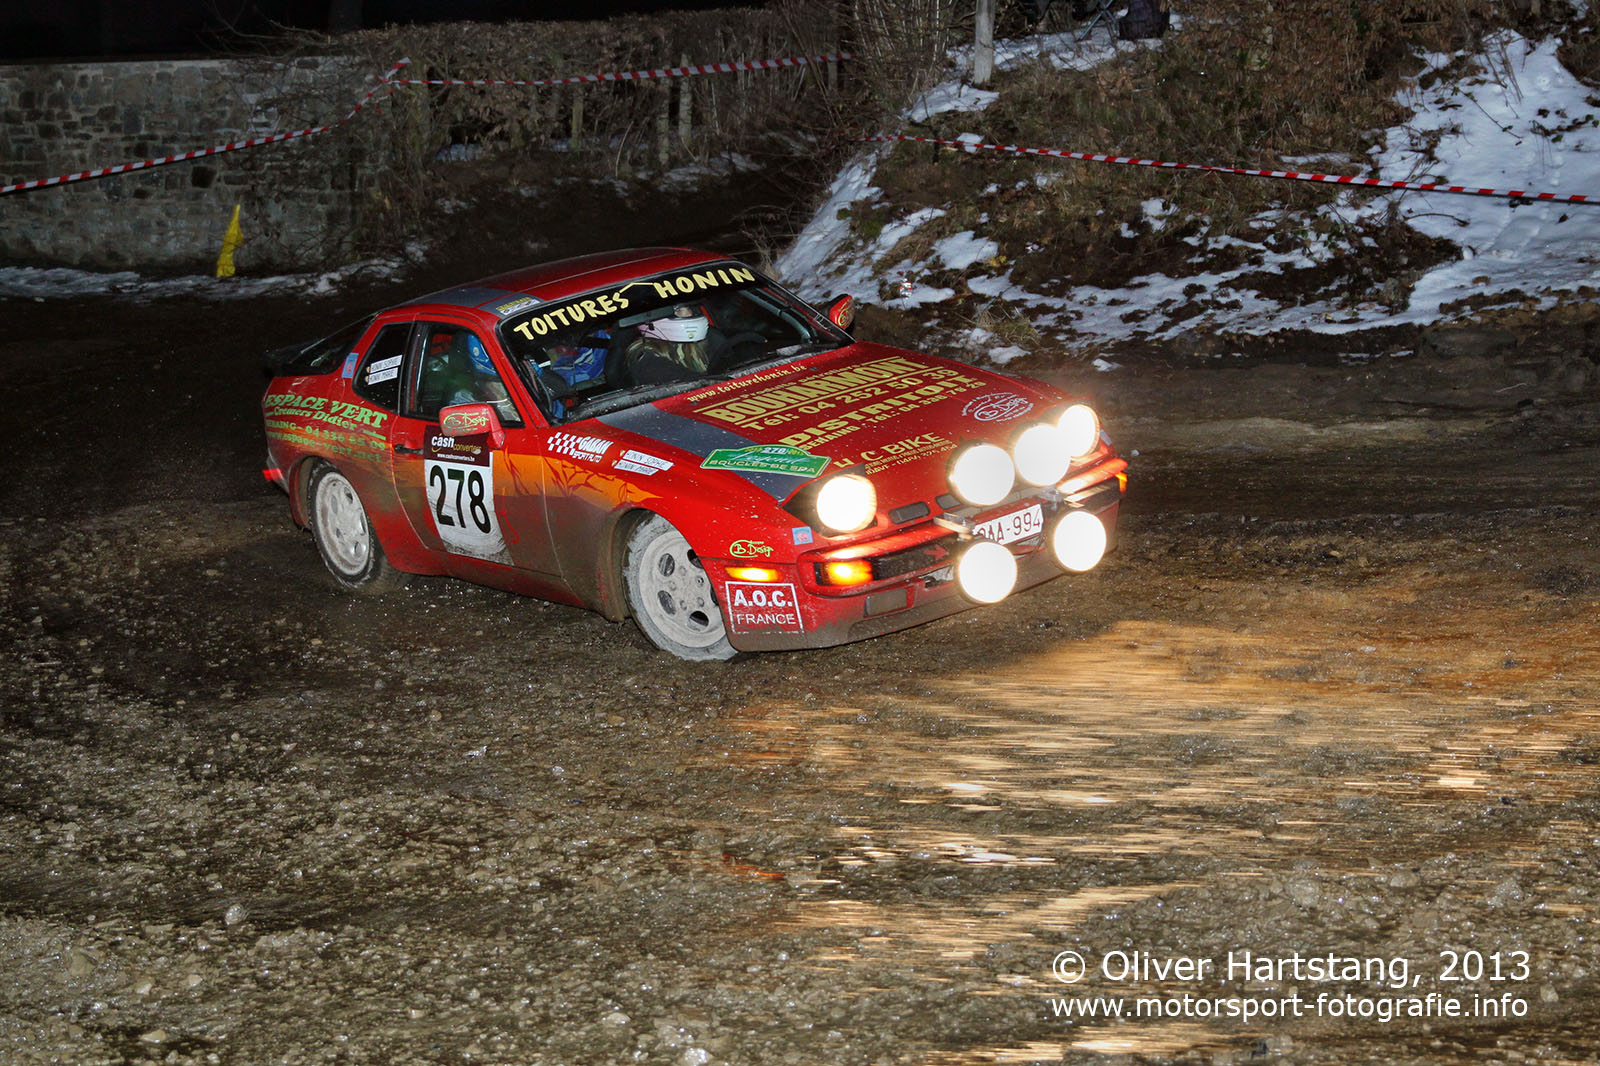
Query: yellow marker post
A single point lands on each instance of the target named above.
(231, 239)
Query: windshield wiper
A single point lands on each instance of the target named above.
(632, 397)
(783, 355)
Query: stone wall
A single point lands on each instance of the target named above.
(300, 200)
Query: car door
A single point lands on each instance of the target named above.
(476, 503)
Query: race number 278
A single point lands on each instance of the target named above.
(461, 501)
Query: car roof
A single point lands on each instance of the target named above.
(565, 277)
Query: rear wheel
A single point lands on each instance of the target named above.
(345, 540)
(670, 594)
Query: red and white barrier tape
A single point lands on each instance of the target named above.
(644, 75)
(389, 84)
(385, 86)
(1292, 175)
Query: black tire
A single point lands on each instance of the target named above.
(344, 537)
(670, 595)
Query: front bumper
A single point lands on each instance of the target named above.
(916, 583)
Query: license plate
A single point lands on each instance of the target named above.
(1018, 525)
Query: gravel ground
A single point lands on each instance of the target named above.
(1335, 694)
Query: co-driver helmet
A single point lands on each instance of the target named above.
(685, 323)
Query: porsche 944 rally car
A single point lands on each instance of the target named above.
(668, 435)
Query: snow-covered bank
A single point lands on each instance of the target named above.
(1516, 119)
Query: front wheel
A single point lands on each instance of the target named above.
(670, 594)
(345, 540)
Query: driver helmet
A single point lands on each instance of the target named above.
(685, 323)
(479, 355)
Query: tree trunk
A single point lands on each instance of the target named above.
(663, 124)
(685, 106)
(983, 53)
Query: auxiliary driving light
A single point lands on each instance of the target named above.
(982, 474)
(847, 572)
(986, 571)
(1078, 540)
(846, 503)
(1081, 428)
(1041, 454)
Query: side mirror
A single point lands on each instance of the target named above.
(473, 420)
(842, 312)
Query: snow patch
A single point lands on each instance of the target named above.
(950, 96)
(960, 251)
(57, 283)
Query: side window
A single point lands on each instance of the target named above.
(455, 368)
(320, 357)
(378, 379)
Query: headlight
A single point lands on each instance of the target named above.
(1078, 541)
(1080, 427)
(986, 571)
(1041, 454)
(846, 503)
(982, 474)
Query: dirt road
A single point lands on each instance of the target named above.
(1335, 695)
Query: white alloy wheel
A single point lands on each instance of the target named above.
(671, 595)
(344, 537)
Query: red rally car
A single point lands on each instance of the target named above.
(668, 435)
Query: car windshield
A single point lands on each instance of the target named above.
(645, 339)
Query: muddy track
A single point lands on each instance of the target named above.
(1335, 693)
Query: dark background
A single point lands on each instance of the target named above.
(82, 29)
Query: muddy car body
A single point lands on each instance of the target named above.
(801, 489)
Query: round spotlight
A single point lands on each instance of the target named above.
(846, 503)
(1080, 427)
(1078, 541)
(986, 572)
(982, 474)
(1041, 454)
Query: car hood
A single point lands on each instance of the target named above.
(863, 406)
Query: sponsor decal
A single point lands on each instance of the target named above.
(814, 393)
(758, 605)
(338, 413)
(802, 534)
(601, 304)
(511, 307)
(749, 549)
(997, 407)
(817, 422)
(464, 423)
(443, 446)
(767, 459)
(349, 368)
(905, 450)
(641, 463)
(570, 444)
(458, 479)
(364, 444)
